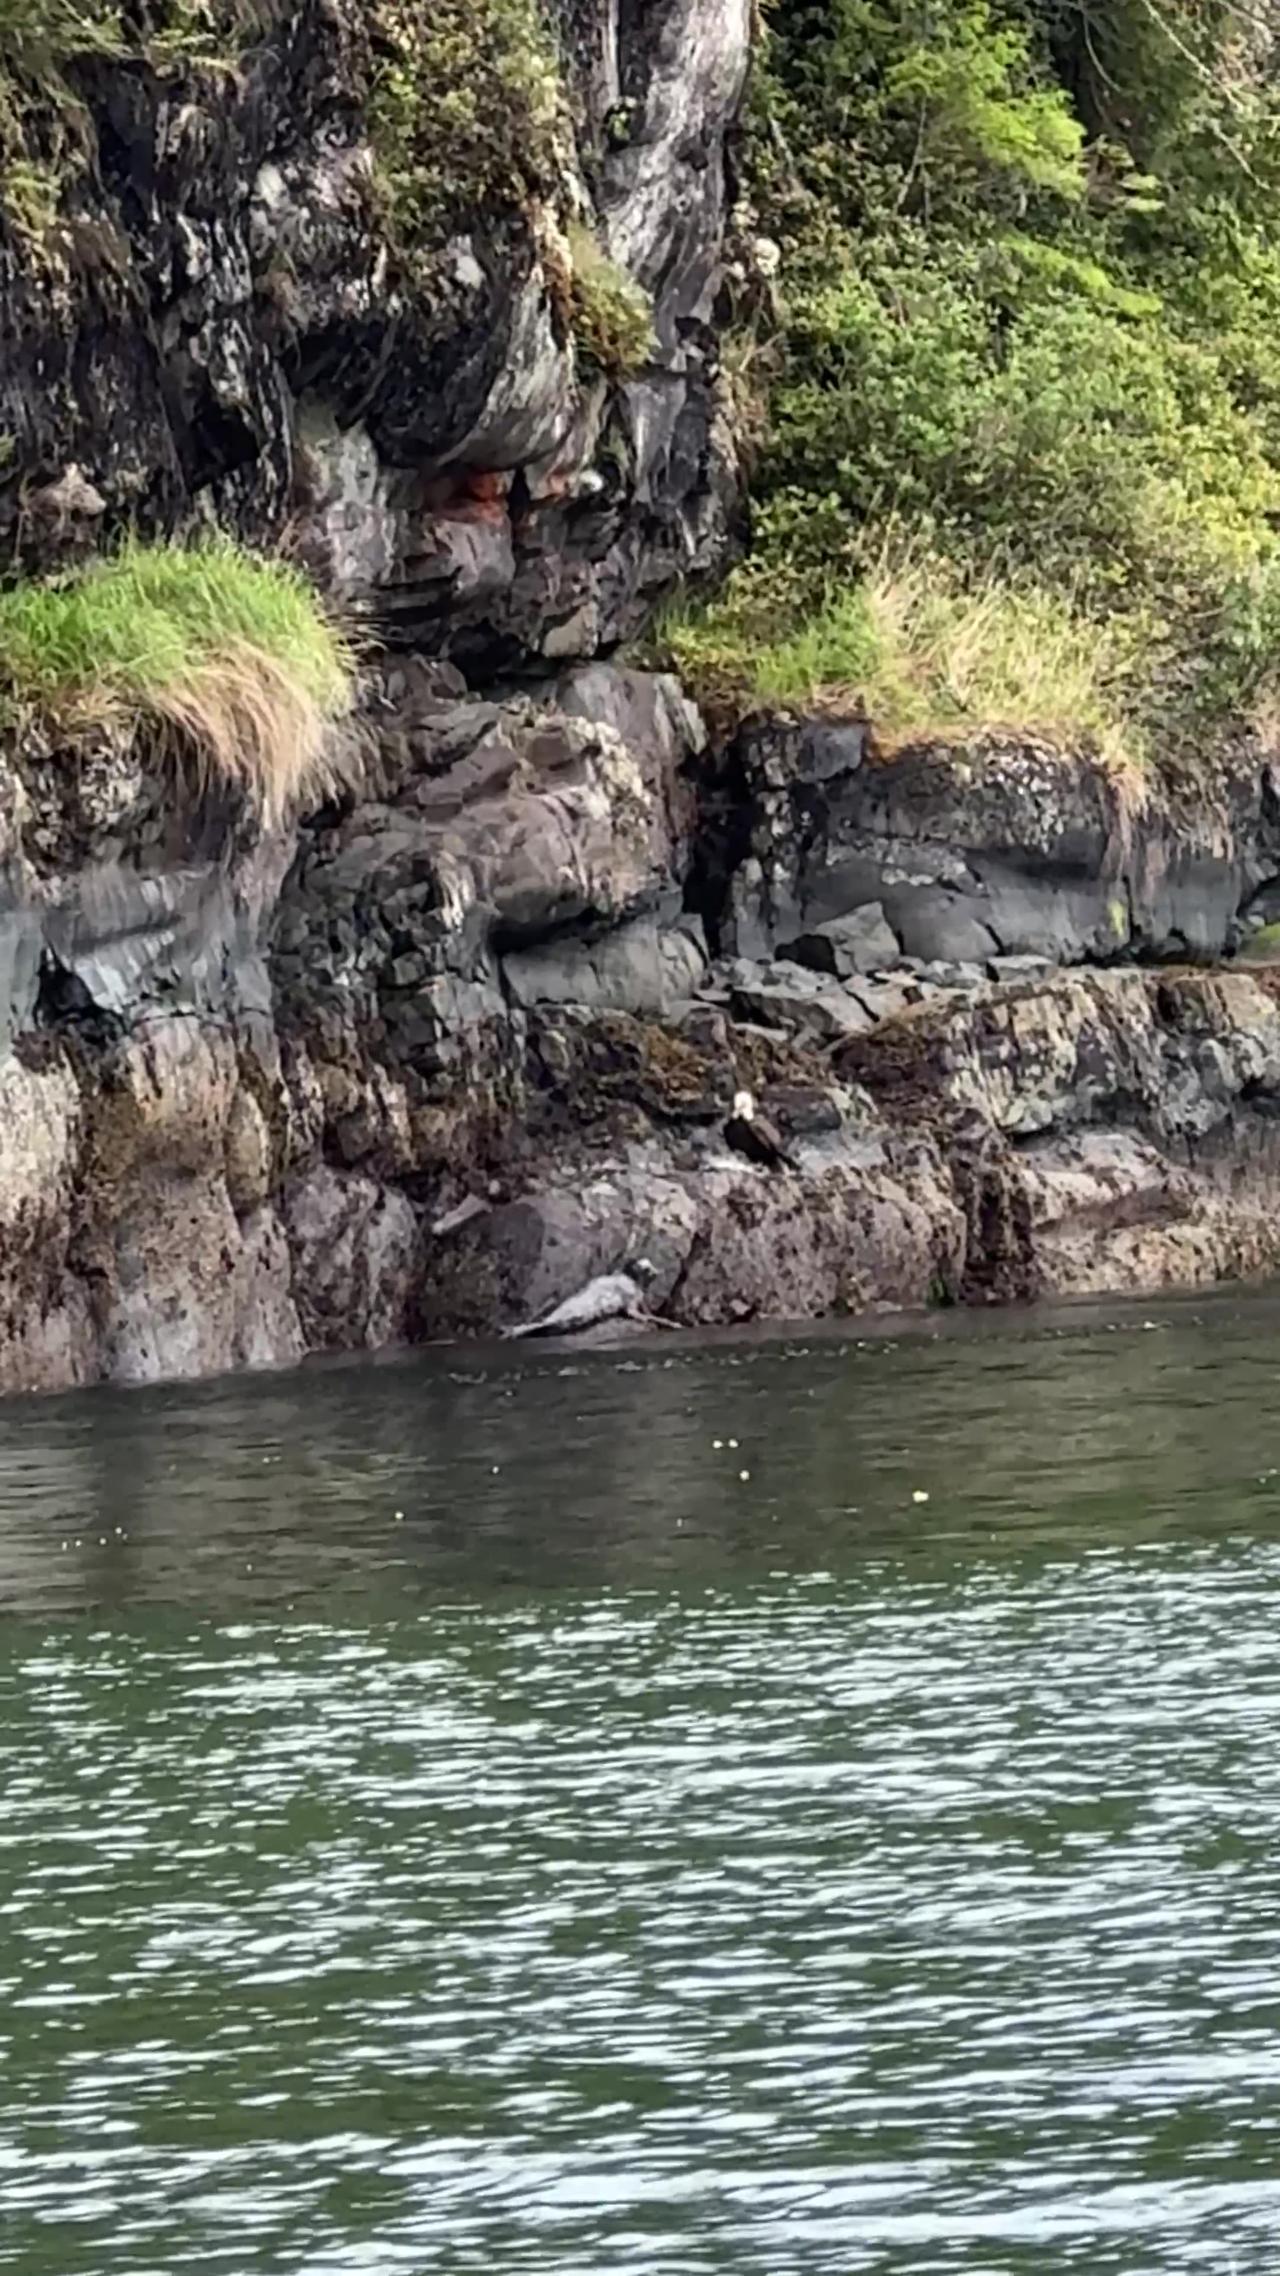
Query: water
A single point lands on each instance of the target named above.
(617, 1866)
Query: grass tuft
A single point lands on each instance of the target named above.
(228, 655)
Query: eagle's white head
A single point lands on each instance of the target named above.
(744, 1106)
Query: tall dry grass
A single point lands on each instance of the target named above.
(918, 647)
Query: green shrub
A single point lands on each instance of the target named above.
(229, 654)
(465, 109)
(611, 315)
(1031, 289)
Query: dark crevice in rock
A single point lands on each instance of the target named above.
(1000, 1259)
(63, 1003)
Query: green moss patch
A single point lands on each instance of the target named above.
(466, 109)
(611, 315)
(46, 134)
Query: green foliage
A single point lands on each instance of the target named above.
(37, 37)
(919, 647)
(30, 193)
(1262, 946)
(964, 77)
(45, 131)
(144, 616)
(465, 108)
(1031, 290)
(611, 315)
(230, 652)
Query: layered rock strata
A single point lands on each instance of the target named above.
(423, 1062)
(463, 1040)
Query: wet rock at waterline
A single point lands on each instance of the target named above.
(455, 1048)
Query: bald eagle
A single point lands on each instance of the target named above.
(754, 1136)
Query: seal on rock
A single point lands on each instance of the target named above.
(612, 1296)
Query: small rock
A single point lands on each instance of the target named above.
(801, 1112)
(1019, 967)
(946, 974)
(810, 1002)
(884, 999)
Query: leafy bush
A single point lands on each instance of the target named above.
(611, 315)
(1031, 288)
(465, 108)
(228, 653)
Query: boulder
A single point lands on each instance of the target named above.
(645, 966)
(843, 946)
(789, 997)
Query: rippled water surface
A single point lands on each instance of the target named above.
(601, 1817)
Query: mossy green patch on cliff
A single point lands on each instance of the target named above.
(44, 133)
(1029, 289)
(231, 655)
(610, 314)
(46, 137)
(38, 37)
(465, 109)
(1262, 946)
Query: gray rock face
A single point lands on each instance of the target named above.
(452, 1050)
(219, 1069)
(994, 848)
(522, 853)
(248, 342)
(646, 966)
(843, 946)
(354, 1251)
(789, 997)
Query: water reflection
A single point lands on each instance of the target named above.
(580, 1471)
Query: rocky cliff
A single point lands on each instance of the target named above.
(418, 1060)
